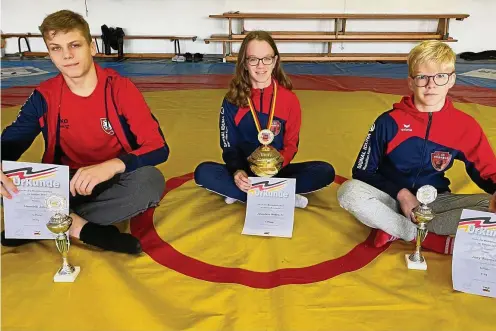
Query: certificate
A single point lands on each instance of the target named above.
(474, 254)
(270, 207)
(26, 214)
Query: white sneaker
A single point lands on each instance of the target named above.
(300, 201)
(230, 201)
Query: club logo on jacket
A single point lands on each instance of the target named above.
(107, 128)
(64, 123)
(440, 160)
(275, 127)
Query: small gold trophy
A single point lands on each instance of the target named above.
(59, 224)
(422, 215)
(265, 161)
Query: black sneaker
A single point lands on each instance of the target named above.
(109, 238)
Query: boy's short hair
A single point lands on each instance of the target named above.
(64, 21)
(430, 51)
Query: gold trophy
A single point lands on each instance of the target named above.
(59, 224)
(265, 161)
(422, 215)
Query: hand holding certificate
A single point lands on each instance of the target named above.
(26, 213)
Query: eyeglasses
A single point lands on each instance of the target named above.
(439, 79)
(254, 61)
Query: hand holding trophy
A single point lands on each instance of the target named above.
(422, 215)
(59, 224)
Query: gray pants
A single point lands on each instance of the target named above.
(122, 197)
(377, 209)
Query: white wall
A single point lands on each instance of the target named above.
(190, 17)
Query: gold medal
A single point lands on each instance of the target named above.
(271, 115)
(265, 161)
(266, 137)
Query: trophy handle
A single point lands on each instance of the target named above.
(417, 255)
(63, 245)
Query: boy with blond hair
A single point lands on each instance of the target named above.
(413, 145)
(97, 123)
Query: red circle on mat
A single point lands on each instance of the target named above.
(162, 252)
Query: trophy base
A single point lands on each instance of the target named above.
(415, 265)
(67, 278)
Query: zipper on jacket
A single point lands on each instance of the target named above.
(261, 100)
(423, 150)
(107, 85)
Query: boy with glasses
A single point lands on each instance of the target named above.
(413, 145)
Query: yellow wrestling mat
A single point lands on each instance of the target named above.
(200, 273)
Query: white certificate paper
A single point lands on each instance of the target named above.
(270, 207)
(26, 214)
(474, 254)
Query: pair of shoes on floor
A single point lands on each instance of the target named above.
(178, 58)
(300, 201)
(197, 57)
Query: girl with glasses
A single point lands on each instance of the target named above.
(260, 102)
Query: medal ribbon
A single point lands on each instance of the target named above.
(271, 114)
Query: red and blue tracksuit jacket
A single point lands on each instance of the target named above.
(406, 148)
(136, 129)
(238, 132)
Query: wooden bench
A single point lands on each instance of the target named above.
(340, 34)
(175, 39)
(229, 55)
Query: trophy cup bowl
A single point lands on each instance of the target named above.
(265, 161)
(423, 214)
(59, 224)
